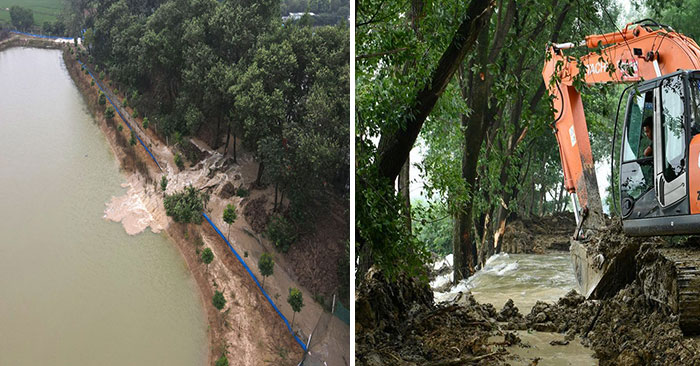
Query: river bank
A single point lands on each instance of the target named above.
(247, 330)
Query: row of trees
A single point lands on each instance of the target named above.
(466, 82)
(222, 69)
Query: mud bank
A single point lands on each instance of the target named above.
(538, 235)
(247, 330)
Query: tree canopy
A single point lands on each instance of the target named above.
(482, 122)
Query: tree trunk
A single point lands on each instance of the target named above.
(404, 191)
(258, 180)
(394, 147)
(228, 137)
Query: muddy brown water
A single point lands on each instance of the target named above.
(525, 278)
(75, 289)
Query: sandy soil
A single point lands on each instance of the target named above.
(248, 330)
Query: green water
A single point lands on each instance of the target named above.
(75, 289)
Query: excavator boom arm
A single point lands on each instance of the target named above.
(636, 53)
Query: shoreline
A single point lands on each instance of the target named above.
(224, 274)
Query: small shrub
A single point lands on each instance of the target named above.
(136, 113)
(86, 72)
(109, 113)
(145, 123)
(102, 75)
(222, 361)
(102, 100)
(178, 161)
(163, 183)
(120, 128)
(242, 192)
(281, 232)
(219, 301)
(245, 254)
(125, 103)
(132, 140)
(207, 255)
(92, 82)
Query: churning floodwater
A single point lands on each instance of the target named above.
(75, 289)
(525, 278)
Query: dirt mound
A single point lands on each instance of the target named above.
(627, 329)
(256, 214)
(398, 324)
(228, 190)
(539, 234)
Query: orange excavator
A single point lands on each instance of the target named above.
(659, 166)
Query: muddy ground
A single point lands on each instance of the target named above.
(398, 323)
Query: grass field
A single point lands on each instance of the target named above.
(44, 10)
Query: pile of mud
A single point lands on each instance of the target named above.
(538, 235)
(256, 214)
(397, 323)
(627, 329)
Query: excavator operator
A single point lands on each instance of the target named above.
(648, 126)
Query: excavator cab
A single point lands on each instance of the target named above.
(659, 157)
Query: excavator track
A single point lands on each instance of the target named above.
(671, 276)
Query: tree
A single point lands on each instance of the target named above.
(101, 99)
(218, 300)
(266, 265)
(207, 255)
(186, 206)
(230, 217)
(296, 301)
(109, 113)
(21, 18)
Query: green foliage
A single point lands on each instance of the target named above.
(109, 112)
(295, 299)
(163, 183)
(186, 206)
(120, 128)
(21, 18)
(102, 100)
(178, 161)
(132, 139)
(266, 265)
(230, 214)
(92, 82)
(433, 224)
(207, 255)
(145, 123)
(222, 361)
(281, 232)
(219, 301)
(242, 192)
(102, 75)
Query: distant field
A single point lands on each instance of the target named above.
(44, 10)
